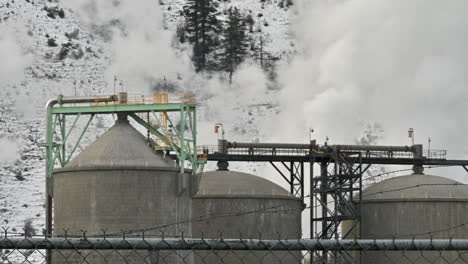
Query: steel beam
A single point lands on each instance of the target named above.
(109, 109)
(318, 159)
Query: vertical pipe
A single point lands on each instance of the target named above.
(311, 199)
(337, 171)
(336, 199)
(302, 180)
(223, 146)
(359, 204)
(49, 166)
(418, 155)
(291, 175)
(323, 194)
(323, 197)
(48, 172)
(147, 129)
(182, 138)
(63, 134)
(193, 127)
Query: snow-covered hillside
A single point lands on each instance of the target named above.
(271, 20)
(64, 55)
(53, 68)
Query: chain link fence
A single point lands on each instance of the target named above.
(180, 250)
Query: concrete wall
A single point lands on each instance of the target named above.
(403, 218)
(121, 199)
(273, 218)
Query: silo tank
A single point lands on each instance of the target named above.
(239, 205)
(418, 205)
(120, 184)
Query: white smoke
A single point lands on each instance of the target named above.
(14, 46)
(399, 63)
(13, 60)
(402, 64)
(140, 47)
(142, 52)
(9, 152)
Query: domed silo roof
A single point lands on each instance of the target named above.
(413, 206)
(225, 183)
(234, 203)
(120, 183)
(416, 186)
(121, 146)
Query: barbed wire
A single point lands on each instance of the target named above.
(414, 235)
(385, 173)
(409, 169)
(272, 209)
(414, 186)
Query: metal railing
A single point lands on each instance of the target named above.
(159, 98)
(212, 149)
(436, 154)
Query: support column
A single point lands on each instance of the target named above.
(311, 196)
(324, 201)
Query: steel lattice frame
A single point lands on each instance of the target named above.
(295, 179)
(336, 191)
(58, 132)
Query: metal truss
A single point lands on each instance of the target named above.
(295, 176)
(335, 194)
(64, 113)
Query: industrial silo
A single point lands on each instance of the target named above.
(418, 205)
(120, 184)
(232, 204)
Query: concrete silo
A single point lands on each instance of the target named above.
(235, 205)
(119, 183)
(417, 205)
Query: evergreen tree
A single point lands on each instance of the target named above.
(202, 27)
(266, 60)
(250, 22)
(234, 42)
